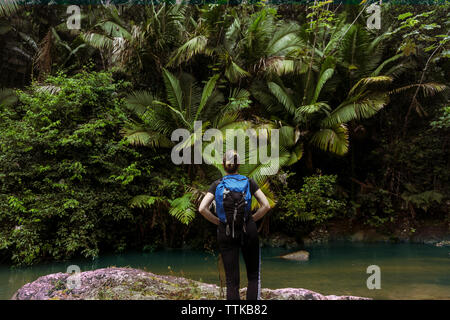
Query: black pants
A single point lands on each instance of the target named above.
(229, 249)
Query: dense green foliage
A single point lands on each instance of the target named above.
(68, 176)
(315, 201)
(61, 161)
(87, 115)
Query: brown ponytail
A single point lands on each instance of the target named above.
(231, 161)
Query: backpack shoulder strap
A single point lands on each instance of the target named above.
(219, 201)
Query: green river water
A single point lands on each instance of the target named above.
(408, 271)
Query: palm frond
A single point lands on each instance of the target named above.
(145, 137)
(115, 30)
(356, 52)
(98, 40)
(173, 90)
(312, 108)
(369, 80)
(227, 120)
(266, 99)
(284, 40)
(8, 7)
(175, 113)
(356, 109)
(428, 89)
(282, 97)
(333, 139)
(336, 36)
(296, 154)
(233, 72)
(207, 90)
(193, 137)
(265, 188)
(377, 71)
(188, 50)
(261, 171)
(287, 136)
(281, 65)
(231, 36)
(327, 74)
(139, 101)
(289, 145)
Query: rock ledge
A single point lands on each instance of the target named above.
(134, 284)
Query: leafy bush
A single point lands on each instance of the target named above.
(374, 208)
(443, 122)
(316, 202)
(64, 169)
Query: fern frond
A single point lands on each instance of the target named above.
(182, 208)
(144, 201)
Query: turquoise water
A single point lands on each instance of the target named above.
(408, 271)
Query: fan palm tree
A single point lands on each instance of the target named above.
(142, 45)
(252, 45)
(349, 62)
(313, 119)
(185, 103)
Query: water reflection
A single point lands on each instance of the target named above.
(408, 271)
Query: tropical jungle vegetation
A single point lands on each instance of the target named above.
(86, 117)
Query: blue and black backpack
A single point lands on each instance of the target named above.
(233, 203)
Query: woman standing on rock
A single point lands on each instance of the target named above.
(236, 227)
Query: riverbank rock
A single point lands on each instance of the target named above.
(443, 243)
(134, 284)
(404, 230)
(278, 240)
(317, 236)
(369, 235)
(301, 255)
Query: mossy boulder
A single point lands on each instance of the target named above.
(135, 284)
